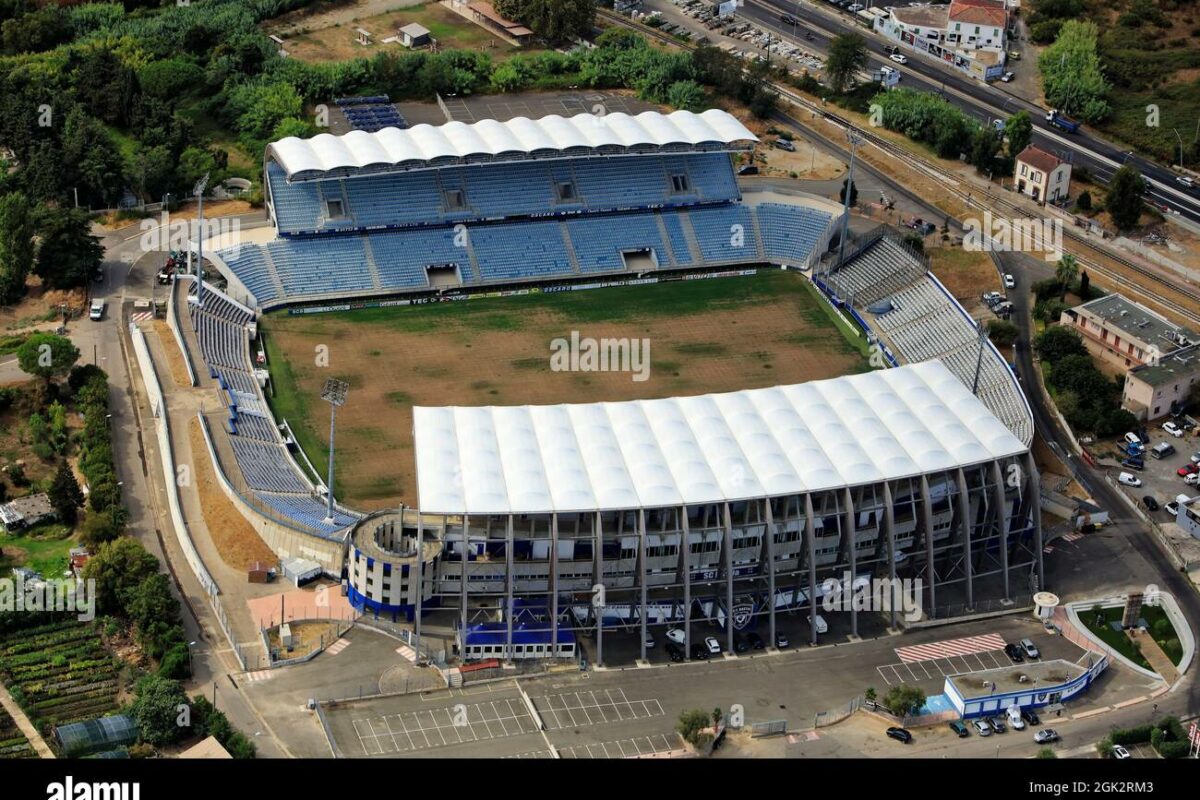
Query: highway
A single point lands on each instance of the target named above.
(981, 101)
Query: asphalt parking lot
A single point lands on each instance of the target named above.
(1159, 478)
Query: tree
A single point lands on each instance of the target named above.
(1019, 130)
(847, 56)
(1072, 73)
(155, 612)
(555, 21)
(69, 254)
(1002, 332)
(853, 193)
(1085, 286)
(984, 148)
(65, 494)
(686, 95)
(1124, 199)
(1057, 342)
(1064, 272)
(16, 246)
(903, 699)
(117, 568)
(157, 710)
(1085, 201)
(690, 725)
(47, 356)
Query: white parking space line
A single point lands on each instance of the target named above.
(580, 709)
(432, 728)
(623, 748)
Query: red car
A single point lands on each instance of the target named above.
(1187, 469)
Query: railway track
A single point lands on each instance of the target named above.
(1095, 265)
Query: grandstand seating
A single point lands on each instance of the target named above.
(598, 241)
(265, 467)
(520, 250)
(307, 510)
(256, 426)
(790, 233)
(924, 323)
(721, 241)
(418, 197)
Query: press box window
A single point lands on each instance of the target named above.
(565, 190)
(455, 200)
(679, 183)
(333, 208)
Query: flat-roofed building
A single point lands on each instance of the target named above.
(1125, 334)
(1152, 390)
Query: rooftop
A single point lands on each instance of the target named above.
(1039, 159)
(415, 30)
(1139, 322)
(923, 16)
(784, 440)
(520, 138)
(978, 12)
(1038, 675)
(1180, 364)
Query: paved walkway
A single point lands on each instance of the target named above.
(28, 730)
(1155, 655)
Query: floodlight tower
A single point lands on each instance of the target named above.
(198, 193)
(855, 141)
(334, 393)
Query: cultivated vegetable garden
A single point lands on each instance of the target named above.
(60, 673)
(12, 742)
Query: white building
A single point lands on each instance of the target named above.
(1041, 175)
(967, 34)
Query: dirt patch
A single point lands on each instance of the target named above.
(41, 308)
(166, 338)
(306, 638)
(704, 336)
(233, 537)
(965, 274)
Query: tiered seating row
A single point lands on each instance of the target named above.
(266, 466)
(492, 191)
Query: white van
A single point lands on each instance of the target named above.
(820, 625)
(1132, 438)
(97, 310)
(1014, 718)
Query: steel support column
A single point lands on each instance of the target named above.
(687, 583)
(727, 523)
(810, 534)
(552, 585)
(927, 524)
(1033, 489)
(964, 512)
(850, 529)
(418, 581)
(599, 602)
(1002, 521)
(462, 581)
(509, 585)
(770, 571)
(889, 525)
(641, 536)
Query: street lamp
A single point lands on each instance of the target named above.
(334, 393)
(855, 141)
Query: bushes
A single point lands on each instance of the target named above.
(1086, 398)
(1071, 73)
(927, 118)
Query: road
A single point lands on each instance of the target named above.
(982, 101)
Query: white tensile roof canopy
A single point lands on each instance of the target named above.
(421, 145)
(784, 440)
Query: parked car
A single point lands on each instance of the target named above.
(1172, 508)
(1030, 716)
(1162, 450)
(649, 641)
(699, 652)
(1015, 719)
(747, 169)
(1150, 503)
(820, 625)
(676, 635)
(891, 49)
(1187, 469)
(675, 652)
(1173, 429)
(1132, 438)
(960, 729)
(1006, 77)
(1120, 753)
(1135, 464)
(756, 641)
(1196, 457)
(788, 19)
(898, 58)
(714, 647)
(1128, 479)
(785, 144)
(900, 735)
(1193, 479)
(740, 645)
(998, 725)
(1014, 653)
(97, 311)
(1030, 649)
(1046, 737)
(1009, 281)
(781, 640)
(982, 727)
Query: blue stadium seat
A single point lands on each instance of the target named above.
(725, 234)
(598, 241)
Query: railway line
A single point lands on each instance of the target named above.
(1115, 269)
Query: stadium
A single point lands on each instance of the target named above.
(572, 518)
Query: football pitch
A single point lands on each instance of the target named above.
(694, 337)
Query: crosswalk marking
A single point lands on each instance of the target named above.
(257, 675)
(407, 653)
(337, 647)
(951, 647)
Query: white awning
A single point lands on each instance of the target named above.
(421, 144)
(784, 440)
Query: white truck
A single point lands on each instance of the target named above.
(97, 311)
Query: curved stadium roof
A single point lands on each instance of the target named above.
(421, 145)
(848, 431)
